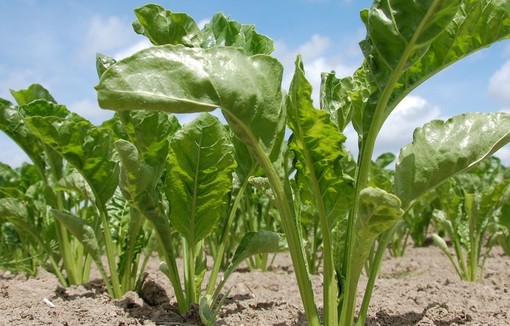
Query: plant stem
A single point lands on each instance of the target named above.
(62, 236)
(283, 197)
(284, 203)
(374, 272)
(218, 259)
(110, 252)
(189, 271)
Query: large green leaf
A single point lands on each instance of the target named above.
(399, 32)
(162, 27)
(410, 41)
(319, 148)
(180, 80)
(199, 177)
(88, 148)
(441, 149)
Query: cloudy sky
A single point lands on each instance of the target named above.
(54, 43)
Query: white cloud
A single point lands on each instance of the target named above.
(504, 155)
(315, 47)
(89, 109)
(201, 23)
(17, 79)
(412, 112)
(499, 84)
(11, 154)
(143, 44)
(316, 60)
(105, 34)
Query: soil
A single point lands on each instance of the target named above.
(420, 288)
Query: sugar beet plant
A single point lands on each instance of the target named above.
(68, 210)
(193, 70)
(468, 213)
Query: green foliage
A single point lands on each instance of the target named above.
(181, 184)
(406, 43)
(470, 206)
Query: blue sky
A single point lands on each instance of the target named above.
(54, 43)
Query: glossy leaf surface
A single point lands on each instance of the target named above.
(441, 149)
(183, 80)
(88, 148)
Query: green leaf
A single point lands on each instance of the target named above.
(138, 185)
(17, 212)
(441, 149)
(183, 80)
(384, 160)
(76, 183)
(345, 99)
(199, 177)
(259, 242)
(32, 93)
(103, 62)
(207, 315)
(403, 29)
(319, 148)
(410, 41)
(149, 131)
(11, 123)
(377, 212)
(137, 179)
(88, 148)
(221, 31)
(162, 26)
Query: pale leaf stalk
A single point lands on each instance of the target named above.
(224, 237)
(62, 235)
(284, 203)
(374, 272)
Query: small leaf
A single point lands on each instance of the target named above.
(137, 179)
(221, 31)
(103, 62)
(34, 92)
(378, 211)
(163, 26)
(207, 315)
(259, 242)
